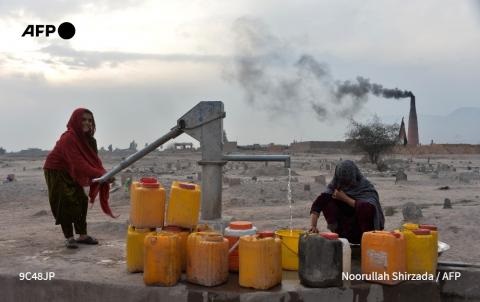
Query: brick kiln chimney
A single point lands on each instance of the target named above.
(412, 136)
(402, 135)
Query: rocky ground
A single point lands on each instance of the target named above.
(251, 191)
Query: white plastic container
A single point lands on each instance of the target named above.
(233, 232)
(347, 259)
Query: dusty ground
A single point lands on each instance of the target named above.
(30, 240)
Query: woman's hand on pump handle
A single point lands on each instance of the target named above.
(110, 180)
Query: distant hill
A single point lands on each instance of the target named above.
(30, 152)
(460, 126)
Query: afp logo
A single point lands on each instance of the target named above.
(66, 30)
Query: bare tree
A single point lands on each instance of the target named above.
(373, 137)
(2, 151)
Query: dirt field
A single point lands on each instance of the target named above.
(30, 238)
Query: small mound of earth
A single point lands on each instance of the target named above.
(40, 213)
(411, 212)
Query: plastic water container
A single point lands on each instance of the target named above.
(320, 260)
(260, 261)
(207, 258)
(133, 187)
(346, 260)
(383, 253)
(346, 256)
(434, 231)
(183, 205)
(407, 230)
(182, 241)
(233, 232)
(147, 204)
(289, 240)
(409, 227)
(162, 265)
(135, 246)
(421, 252)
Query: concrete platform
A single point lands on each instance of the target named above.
(112, 283)
(98, 273)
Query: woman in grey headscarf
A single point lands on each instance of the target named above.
(350, 204)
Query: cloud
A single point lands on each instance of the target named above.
(66, 55)
(427, 47)
(55, 9)
(284, 79)
(34, 111)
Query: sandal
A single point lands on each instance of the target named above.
(88, 240)
(71, 243)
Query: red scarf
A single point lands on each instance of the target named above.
(72, 153)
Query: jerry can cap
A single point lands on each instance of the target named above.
(430, 227)
(395, 234)
(421, 232)
(186, 186)
(266, 234)
(410, 226)
(149, 182)
(329, 235)
(240, 225)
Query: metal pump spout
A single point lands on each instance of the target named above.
(204, 122)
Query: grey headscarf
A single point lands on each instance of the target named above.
(350, 180)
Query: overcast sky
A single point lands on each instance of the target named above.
(139, 65)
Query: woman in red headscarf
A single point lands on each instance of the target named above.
(70, 166)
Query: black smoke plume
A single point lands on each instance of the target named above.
(276, 79)
(363, 87)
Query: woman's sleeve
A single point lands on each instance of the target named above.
(319, 203)
(78, 168)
